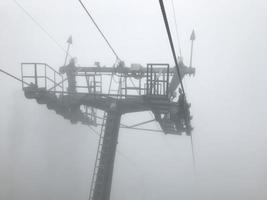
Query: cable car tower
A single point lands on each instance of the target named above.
(79, 93)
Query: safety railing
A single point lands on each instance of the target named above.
(157, 79)
(42, 76)
(88, 83)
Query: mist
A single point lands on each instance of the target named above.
(43, 156)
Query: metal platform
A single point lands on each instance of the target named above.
(78, 92)
(139, 90)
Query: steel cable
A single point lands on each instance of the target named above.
(41, 27)
(102, 34)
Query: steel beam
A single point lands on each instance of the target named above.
(103, 182)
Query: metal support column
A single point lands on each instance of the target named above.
(102, 188)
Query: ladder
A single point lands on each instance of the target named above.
(98, 154)
(98, 168)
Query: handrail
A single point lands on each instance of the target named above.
(29, 63)
(47, 70)
(54, 70)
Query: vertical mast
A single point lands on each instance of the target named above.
(102, 185)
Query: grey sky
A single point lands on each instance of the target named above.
(44, 157)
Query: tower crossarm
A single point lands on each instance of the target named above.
(155, 92)
(135, 69)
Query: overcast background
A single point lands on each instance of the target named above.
(43, 157)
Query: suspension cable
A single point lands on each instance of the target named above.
(171, 42)
(40, 26)
(14, 77)
(176, 28)
(177, 67)
(193, 153)
(102, 34)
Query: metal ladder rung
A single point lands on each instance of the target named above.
(98, 156)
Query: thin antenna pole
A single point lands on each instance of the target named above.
(69, 41)
(191, 54)
(67, 53)
(192, 38)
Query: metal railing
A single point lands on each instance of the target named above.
(157, 81)
(42, 76)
